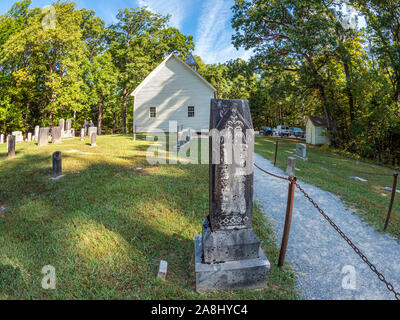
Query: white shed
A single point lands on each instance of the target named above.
(174, 91)
(315, 130)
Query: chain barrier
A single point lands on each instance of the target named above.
(351, 244)
(272, 174)
(381, 277)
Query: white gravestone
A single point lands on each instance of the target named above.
(162, 271)
(301, 151)
(61, 124)
(18, 136)
(36, 136)
(92, 130)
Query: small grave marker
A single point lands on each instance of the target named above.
(359, 179)
(57, 166)
(162, 271)
(11, 140)
(390, 189)
(82, 134)
(93, 138)
(36, 136)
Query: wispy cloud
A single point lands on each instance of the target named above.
(214, 33)
(176, 8)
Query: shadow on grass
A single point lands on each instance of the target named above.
(106, 220)
(10, 280)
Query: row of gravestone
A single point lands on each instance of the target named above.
(42, 136)
(63, 131)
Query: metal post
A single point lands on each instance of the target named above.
(288, 221)
(276, 153)
(395, 175)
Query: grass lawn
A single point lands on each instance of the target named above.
(106, 226)
(332, 172)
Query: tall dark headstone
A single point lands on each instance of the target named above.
(43, 139)
(93, 138)
(56, 135)
(11, 140)
(228, 254)
(57, 165)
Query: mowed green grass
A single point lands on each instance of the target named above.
(333, 172)
(106, 226)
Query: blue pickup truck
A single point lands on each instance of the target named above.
(266, 131)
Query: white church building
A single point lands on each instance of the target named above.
(174, 91)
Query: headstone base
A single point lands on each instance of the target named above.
(235, 275)
(230, 245)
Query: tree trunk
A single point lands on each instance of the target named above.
(349, 91)
(28, 107)
(124, 110)
(331, 122)
(100, 116)
(51, 119)
(53, 99)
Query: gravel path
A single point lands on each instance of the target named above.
(317, 252)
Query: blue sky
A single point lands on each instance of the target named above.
(207, 20)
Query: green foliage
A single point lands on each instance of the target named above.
(312, 63)
(80, 68)
(306, 61)
(139, 41)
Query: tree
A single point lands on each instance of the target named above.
(291, 35)
(52, 58)
(139, 41)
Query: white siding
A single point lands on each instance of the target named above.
(172, 90)
(315, 135)
(320, 138)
